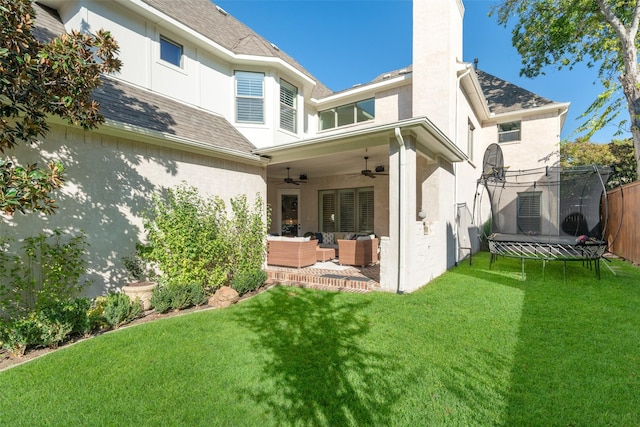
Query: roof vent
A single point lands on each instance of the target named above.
(386, 76)
(274, 46)
(357, 84)
(221, 10)
(403, 71)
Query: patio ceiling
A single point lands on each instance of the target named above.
(343, 153)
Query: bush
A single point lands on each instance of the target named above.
(95, 315)
(248, 280)
(119, 309)
(17, 335)
(194, 240)
(171, 296)
(46, 269)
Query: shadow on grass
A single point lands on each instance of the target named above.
(315, 369)
(576, 359)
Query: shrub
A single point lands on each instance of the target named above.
(194, 240)
(46, 269)
(183, 232)
(17, 335)
(95, 314)
(171, 296)
(119, 309)
(248, 280)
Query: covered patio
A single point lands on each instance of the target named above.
(368, 181)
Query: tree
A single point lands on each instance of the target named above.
(618, 154)
(602, 33)
(39, 80)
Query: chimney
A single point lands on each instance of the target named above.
(437, 45)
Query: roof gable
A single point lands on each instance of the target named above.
(505, 97)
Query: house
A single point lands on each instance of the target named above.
(202, 98)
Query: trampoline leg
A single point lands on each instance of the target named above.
(522, 268)
(544, 263)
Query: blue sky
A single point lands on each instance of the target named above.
(346, 42)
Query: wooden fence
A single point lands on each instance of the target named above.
(623, 225)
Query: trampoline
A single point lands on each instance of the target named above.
(548, 213)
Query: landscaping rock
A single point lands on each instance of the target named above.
(224, 297)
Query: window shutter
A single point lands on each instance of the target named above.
(328, 210)
(288, 94)
(529, 212)
(250, 97)
(347, 211)
(365, 210)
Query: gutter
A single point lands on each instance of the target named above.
(455, 170)
(401, 210)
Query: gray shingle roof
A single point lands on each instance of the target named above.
(204, 17)
(48, 24)
(131, 105)
(504, 97)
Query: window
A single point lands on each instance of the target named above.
(509, 132)
(529, 212)
(249, 97)
(348, 114)
(470, 129)
(346, 210)
(170, 52)
(288, 101)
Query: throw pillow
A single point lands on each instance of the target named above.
(328, 238)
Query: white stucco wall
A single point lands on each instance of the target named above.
(110, 182)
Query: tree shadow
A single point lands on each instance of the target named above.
(316, 370)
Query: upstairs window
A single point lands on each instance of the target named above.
(348, 114)
(288, 102)
(509, 132)
(249, 97)
(170, 52)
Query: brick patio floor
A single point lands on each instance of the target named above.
(328, 276)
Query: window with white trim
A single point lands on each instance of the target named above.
(170, 51)
(348, 114)
(529, 212)
(288, 102)
(509, 132)
(346, 210)
(249, 97)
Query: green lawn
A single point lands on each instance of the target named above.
(476, 347)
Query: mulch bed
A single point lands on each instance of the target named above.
(7, 360)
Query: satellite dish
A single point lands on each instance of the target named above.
(493, 163)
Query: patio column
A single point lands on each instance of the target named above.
(397, 264)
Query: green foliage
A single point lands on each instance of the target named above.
(38, 80)
(46, 270)
(603, 34)
(246, 234)
(248, 280)
(48, 327)
(168, 297)
(194, 240)
(619, 154)
(95, 314)
(119, 309)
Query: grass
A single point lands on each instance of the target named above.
(475, 347)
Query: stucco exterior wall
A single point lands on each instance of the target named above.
(110, 183)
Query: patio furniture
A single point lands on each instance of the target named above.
(294, 252)
(325, 254)
(360, 252)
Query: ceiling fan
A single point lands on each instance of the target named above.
(289, 180)
(368, 172)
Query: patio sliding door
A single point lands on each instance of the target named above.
(289, 212)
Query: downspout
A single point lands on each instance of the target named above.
(401, 211)
(455, 171)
